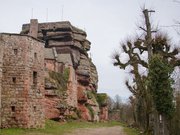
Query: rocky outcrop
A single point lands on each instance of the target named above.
(67, 47)
(102, 99)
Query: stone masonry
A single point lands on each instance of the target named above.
(22, 81)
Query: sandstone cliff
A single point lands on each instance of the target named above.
(66, 50)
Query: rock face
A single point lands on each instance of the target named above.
(66, 48)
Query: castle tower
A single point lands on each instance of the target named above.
(22, 86)
(33, 31)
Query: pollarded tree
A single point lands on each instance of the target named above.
(148, 45)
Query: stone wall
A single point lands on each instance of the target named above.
(1, 64)
(22, 82)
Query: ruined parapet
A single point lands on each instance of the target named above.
(22, 81)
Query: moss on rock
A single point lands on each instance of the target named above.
(60, 79)
(102, 99)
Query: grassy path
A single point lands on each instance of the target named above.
(117, 130)
(73, 128)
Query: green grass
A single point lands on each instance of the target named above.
(55, 128)
(131, 131)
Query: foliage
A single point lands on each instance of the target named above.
(102, 99)
(110, 103)
(60, 79)
(89, 94)
(66, 74)
(118, 102)
(131, 131)
(160, 85)
(79, 113)
(91, 111)
(73, 116)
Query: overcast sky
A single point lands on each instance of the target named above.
(107, 23)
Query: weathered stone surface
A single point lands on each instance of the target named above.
(51, 107)
(60, 34)
(22, 94)
(1, 74)
(72, 89)
(85, 115)
(104, 114)
(86, 44)
(93, 77)
(82, 95)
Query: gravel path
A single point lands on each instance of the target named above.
(117, 130)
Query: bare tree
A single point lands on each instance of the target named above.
(150, 44)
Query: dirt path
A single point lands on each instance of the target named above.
(117, 130)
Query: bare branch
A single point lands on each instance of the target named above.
(143, 29)
(151, 11)
(131, 89)
(154, 31)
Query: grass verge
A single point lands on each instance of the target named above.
(131, 131)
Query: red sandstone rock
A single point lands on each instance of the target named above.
(24, 62)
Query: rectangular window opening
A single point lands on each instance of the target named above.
(35, 55)
(35, 108)
(34, 78)
(13, 108)
(15, 51)
(14, 79)
(14, 118)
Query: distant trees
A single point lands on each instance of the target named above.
(117, 102)
(120, 111)
(114, 104)
(145, 88)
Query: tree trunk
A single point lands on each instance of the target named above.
(148, 37)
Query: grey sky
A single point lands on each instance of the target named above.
(107, 22)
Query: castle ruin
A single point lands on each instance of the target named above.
(46, 73)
